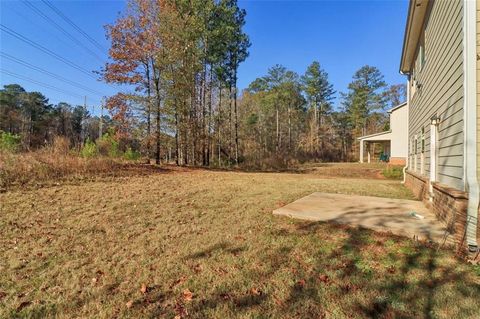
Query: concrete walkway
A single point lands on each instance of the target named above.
(382, 214)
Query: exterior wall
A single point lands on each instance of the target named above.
(399, 137)
(478, 89)
(437, 88)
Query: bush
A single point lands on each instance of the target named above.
(131, 154)
(89, 150)
(393, 172)
(108, 146)
(9, 142)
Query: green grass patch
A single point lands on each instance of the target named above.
(393, 172)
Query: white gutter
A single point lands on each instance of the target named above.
(408, 131)
(470, 121)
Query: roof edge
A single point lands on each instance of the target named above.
(375, 134)
(417, 10)
(399, 106)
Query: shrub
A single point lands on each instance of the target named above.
(393, 172)
(89, 150)
(131, 154)
(9, 142)
(108, 146)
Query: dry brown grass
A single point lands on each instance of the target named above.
(183, 243)
(51, 164)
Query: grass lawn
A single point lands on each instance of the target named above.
(192, 243)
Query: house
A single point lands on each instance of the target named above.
(394, 142)
(441, 60)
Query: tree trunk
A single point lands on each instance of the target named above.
(236, 116)
(277, 134)
(289, 129)
(219, 121)
(204, 114)
(149, 110)
(230, 125)
(177, 153)
(209, 122)
(156, 80)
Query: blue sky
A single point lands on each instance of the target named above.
(341, 35)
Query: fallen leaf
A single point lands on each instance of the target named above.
(129, 304)
(187, 295)
(300, 284)
(144, 288)
(324, 279)
(197, 268)
(255, 291)
(391, 269)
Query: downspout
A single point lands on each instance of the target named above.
(408, 131)
(470, 120)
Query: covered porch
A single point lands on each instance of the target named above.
(375, 147)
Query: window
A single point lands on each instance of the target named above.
(423, 140)
(413, 83)
(415, 145)
(421, 53)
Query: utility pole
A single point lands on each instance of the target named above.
(84, 117)
(100, 125)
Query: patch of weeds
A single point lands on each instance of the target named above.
(89, 149)
(326, 248)
(393, 172)
(9, 142)
(476, 269)
(364, 268)
(398, 305)
(131, 155)
(407, 250)
(389, 243)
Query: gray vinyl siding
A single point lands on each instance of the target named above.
(441, 92)
(478, 89)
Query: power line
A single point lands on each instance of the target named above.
(45, 50)
(34, 23)
(53, 75)
(45, 85)
(61, 29)
(71, 23)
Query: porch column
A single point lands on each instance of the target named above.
(368, 151)
(361, 151)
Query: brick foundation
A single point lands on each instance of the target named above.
(397, 161)
(418, 185)
(448, 204)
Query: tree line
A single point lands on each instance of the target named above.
(36, 121)
(286, 116)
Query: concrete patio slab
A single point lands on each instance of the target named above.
(382, 214)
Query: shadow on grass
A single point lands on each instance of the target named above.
(364, 275)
